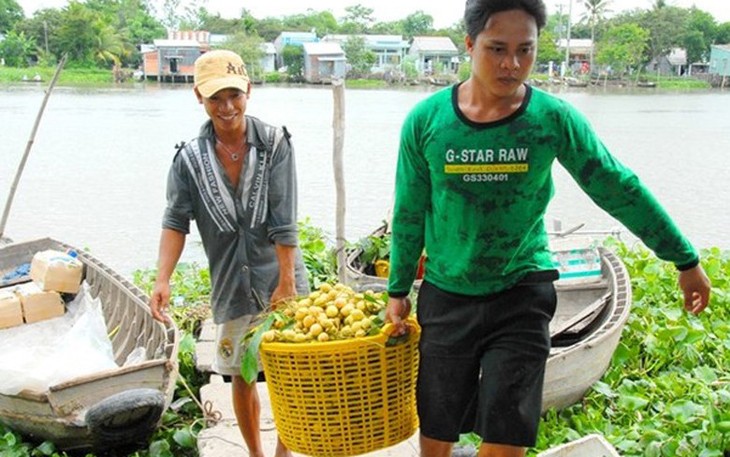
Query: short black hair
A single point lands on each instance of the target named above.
(478, 12)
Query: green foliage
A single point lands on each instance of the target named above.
(10, 14)
(69, 76)
(358, 19)
(409, 67)
(374, 247)
(322, 22)
(273, 77)
(681, 83)
(417, 24)
(464, 71)
(723, 33)
(319, 255)
(250, 50)
(190, 294)
(366, 84)
(547, 50)
(293, 57)
(666, 392)
(623, 47)
(17, 49)
(104, 33)
(359, 57)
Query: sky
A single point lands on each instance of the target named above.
(444, 12)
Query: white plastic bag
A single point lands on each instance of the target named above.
(39, 355)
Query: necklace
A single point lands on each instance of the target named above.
(233, 153)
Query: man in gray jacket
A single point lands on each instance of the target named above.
(237, 179)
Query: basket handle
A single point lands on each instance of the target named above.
(411, 325)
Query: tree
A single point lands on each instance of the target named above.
(359, 58)
(457, 33)
(595, 13)
(667, 25)
(417, 24)
(77, 34)
(43, 28)
(249, 47)
(293, 58)
(10, 14)
(388, 28)
(131, 24)
(723, 33)
(700, 34)
(110, 46)
(16, 49)
(357, 19)
(547, 49)
(622, 47)
(177, 13)
(269, 28)
(321, 23)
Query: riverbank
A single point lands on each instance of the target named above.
(98, 77)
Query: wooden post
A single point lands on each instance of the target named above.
(338, 126)
(21, 166)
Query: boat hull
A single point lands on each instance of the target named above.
(142, 391)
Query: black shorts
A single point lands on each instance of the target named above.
(483, 361)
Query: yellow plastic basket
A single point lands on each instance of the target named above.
(344, 398)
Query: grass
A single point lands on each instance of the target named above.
(69, 76)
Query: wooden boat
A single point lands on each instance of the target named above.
(113, 409)
(575, 82)
(590, 315)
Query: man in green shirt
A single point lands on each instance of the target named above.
(472, 186)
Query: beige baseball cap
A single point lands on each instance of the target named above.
(220, 69)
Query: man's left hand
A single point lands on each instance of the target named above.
(696, 288)
(284, 290)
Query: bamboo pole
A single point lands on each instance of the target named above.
(31, 139)
(338, 125)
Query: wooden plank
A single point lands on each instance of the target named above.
(580, 316)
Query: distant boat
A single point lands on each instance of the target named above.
(646, 84)
(439, 82)
(574, 82)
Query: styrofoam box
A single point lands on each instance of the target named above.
(11, 313)
(576, 259)
(39, 304)
(56, 270)
(593, 445)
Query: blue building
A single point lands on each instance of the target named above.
(720, 59)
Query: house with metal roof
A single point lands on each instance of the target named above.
(434, 55)
(673, 64)
(389, 50)
(268, 61)
(579, 52)
(324, 62)
(171, 60)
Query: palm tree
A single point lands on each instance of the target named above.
(595, 12)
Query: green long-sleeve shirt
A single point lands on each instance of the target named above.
(475, 194)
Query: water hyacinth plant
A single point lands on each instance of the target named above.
(666, 393)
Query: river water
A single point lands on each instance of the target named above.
(96, 174)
